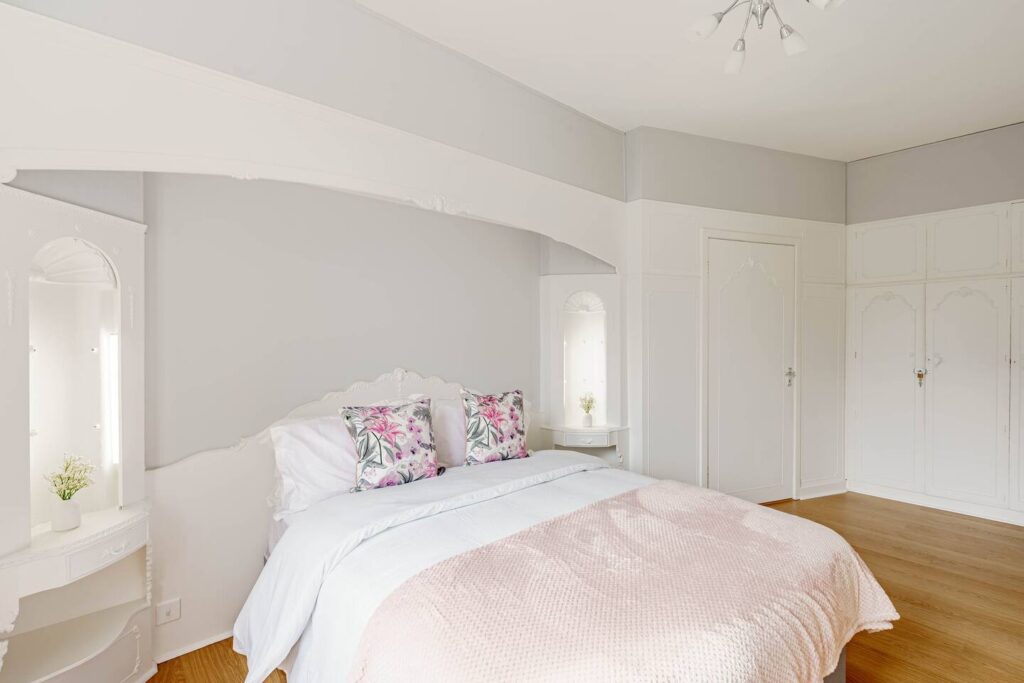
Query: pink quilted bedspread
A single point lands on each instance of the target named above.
(665, 583)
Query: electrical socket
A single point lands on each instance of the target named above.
(168, 610)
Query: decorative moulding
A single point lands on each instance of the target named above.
(584, 302)
(440, 204)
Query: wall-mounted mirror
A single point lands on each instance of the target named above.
(74, 371)
(585, 361)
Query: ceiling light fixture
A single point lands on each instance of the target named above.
(792, 42)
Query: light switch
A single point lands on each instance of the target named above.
(168, 610)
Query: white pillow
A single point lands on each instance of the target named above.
(316, 459)
(449, 418)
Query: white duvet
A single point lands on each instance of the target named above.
(339, 560)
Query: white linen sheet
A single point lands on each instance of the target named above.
(341, 558)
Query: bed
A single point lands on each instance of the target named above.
(555, 567)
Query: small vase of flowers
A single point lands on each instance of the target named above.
(587, 403)
(73, 476)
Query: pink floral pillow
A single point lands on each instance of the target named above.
(395, 444)
(495, 427)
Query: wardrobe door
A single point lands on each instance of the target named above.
(1016, 487)
(968, 390)
(885, 399)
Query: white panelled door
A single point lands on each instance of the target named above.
(885, 408)
(751, 386)
(1017, 395)
(968, 390)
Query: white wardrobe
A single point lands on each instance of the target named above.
(935, 332)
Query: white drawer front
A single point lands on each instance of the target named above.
(107, 551)
(584, 440)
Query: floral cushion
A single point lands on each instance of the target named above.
(495, 427)
(395, 443)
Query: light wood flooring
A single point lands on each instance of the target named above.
(957, 582)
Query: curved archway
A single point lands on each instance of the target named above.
(160, 114)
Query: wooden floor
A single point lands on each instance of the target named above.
(957, 582)
(216, 663)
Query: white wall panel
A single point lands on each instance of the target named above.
(672, 411)
(1017, 228)
(671, 243)
(823, 253)
(822, 371)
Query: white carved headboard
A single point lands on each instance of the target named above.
(210, 517)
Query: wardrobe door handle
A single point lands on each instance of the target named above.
(920, 373)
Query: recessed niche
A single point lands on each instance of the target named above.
(74, 371)
(585, 357)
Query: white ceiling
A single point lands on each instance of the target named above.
(881, 75)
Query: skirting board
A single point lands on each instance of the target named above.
(162, 657)
(831, 488)
(914, 498)
(146, 675)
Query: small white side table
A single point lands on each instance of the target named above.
(605, 438)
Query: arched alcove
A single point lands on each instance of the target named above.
(585, 357)
(74, 371)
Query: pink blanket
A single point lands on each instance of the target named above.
(665, 583)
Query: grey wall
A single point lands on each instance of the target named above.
(975, 169)
(119, 194)
(262, 296)
(689, 169)
(335, 53)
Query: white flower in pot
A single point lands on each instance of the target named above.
(587, 403)
(73, 476)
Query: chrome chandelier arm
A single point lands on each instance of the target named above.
(746, 24)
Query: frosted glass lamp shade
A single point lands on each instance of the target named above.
(792, 42)
(704, 27)
(734, 64)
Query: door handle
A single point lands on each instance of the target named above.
(920, 373)
(790, 375)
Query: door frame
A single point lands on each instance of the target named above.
(706, 235)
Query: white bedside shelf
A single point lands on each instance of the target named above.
(101, 646)
(57, 558)
(604, 437)
(80, 601)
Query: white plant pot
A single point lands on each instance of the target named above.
(66, 515)
(588, 420)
